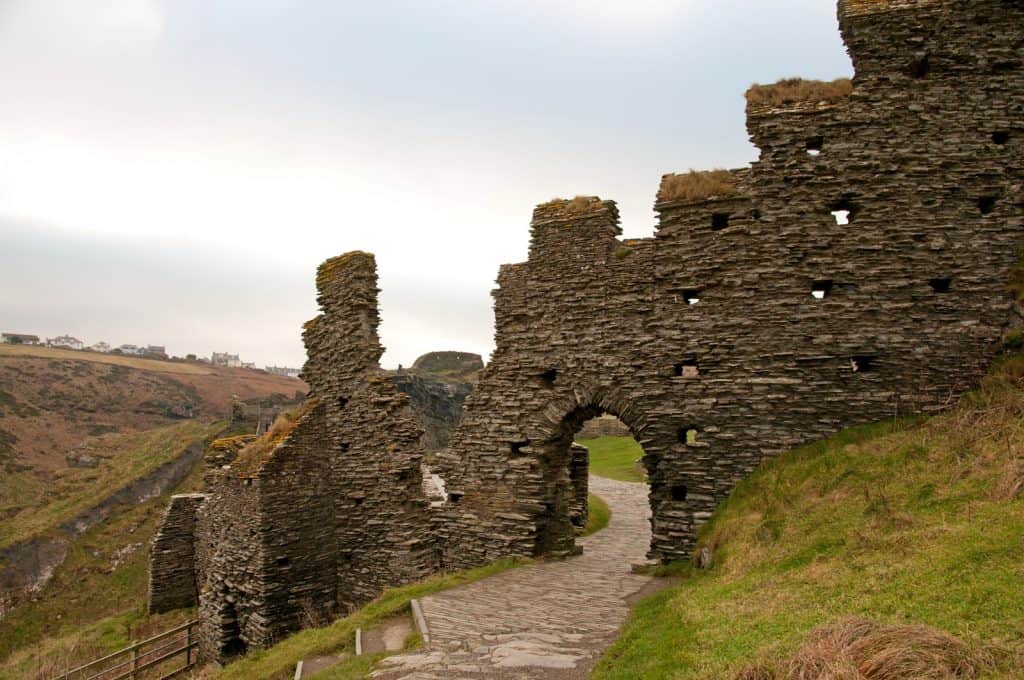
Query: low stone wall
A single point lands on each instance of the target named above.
(603, 426)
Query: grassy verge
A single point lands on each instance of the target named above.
(902, 523)
(598, 515)
(279, 661)
(123, 458)
(615, 458)
(95, 602)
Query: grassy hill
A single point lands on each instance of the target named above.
(51, 401)
(78, 431)
(914, 526)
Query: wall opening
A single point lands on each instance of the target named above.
(920, 66)
(517, 448)
(719, 221)
(687, 370)
(548, 377)
(588, 443)
(986, 204)
(678, 492)
(864, 363)
(821, 289)
(691, 296)
(1000, 137)
(687, 435)
(941, 285)
(843, 211)
(814, 146)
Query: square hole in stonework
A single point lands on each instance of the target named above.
(344, 446)
(986, 204)
(815, 145)
(679, 492)
(454, 497)
(719, 221)
(920, 66)
(687, 435)
(548, 377)
(691, 296)
(864, 363)
(517, 448)
(821, 289)
(1000, 137)
(941, 285)
(688, 370)
(342, 402)
(843, 211)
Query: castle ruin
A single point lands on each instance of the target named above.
(855, 272)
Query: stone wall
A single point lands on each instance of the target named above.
(307, 523)
(706, 340)
(172, 570)
(752, 321)
(603, 426)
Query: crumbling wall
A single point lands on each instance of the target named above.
(172, 572)
(307, 522)
(707, 340)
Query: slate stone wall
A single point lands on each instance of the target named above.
(172, 573)
(324, 519)
(751, 322)
(706, 340)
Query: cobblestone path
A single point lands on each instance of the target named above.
(546, 620)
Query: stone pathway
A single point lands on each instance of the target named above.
(545, 620)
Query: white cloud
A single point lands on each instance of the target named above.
(63, 26)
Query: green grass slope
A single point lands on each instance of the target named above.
(902, 523)
(615, 458)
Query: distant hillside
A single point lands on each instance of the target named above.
(452, 365)
(51, 399)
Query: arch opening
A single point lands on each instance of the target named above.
(589, 441)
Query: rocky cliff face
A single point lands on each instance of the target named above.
(437, 404)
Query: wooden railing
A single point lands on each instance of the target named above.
(143, 660)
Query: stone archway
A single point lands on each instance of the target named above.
(561, 465)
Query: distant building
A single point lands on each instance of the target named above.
(65, 342)
(19, 339)
(101, 347)
(225, 359)
(249, 364)
(155, 351)
(282, 370)
(133, 350)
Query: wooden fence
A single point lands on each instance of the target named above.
(152, 658)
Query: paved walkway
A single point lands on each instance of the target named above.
(545, 620)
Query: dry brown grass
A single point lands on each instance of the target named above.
(861, 649)
(255, 453)
(697, 186)
(798, 90)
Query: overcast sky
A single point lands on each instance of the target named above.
(172, 171)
